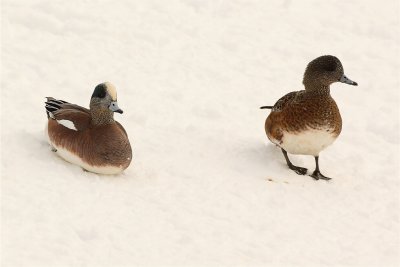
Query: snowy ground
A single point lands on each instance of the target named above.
(205, 187)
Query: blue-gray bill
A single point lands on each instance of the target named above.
(344, 79)
(114, 107)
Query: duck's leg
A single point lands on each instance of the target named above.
(298, 170)
(317, 174)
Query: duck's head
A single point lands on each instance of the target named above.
(324, 71)
(104, 98)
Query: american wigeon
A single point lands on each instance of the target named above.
(90, 138)
(307, 121)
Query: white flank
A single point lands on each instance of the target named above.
(309, 142)
(72, 158)
(67, 123)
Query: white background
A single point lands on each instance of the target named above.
(205, 186)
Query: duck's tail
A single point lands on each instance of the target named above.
(52, 105)
(267, 107)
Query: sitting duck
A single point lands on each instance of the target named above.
(89, 138)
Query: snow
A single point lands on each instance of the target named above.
(205, 187)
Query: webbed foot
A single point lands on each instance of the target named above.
(317, 175)
(298, 170)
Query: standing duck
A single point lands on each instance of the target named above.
(90, 138)
(306, 122)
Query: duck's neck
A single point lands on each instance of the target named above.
(101, 116)
(318, 89)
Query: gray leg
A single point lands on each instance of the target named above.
(317, 174)
(298, 170)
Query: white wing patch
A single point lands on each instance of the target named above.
(67, 123)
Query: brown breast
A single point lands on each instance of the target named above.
(304, 112)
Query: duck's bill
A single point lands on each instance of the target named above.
(114, 107)
(344, 79)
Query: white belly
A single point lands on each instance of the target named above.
(74, 159)
(309, 142)
(71, 157)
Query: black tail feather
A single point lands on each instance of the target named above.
(267, 107)
(52, 105)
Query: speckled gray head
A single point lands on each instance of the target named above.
(105, 97)
(324, 71)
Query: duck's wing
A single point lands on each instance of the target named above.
(285, 100)
(122, 128)
(69, 115)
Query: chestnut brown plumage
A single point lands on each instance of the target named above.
(307, 121)
(94, 140)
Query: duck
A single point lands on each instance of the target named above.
(305, 122)
(89, 138)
